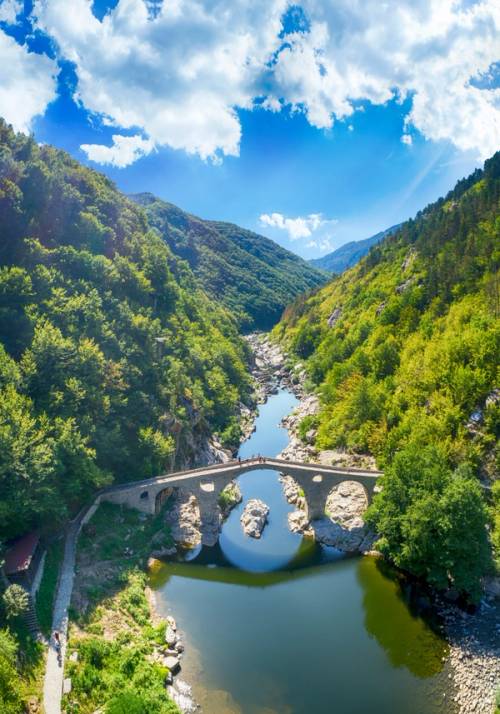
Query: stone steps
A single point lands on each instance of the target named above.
(31, 619)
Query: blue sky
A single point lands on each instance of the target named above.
(276, 117)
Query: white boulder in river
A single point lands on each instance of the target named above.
(254, 517)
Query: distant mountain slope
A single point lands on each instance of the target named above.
(403, 351)
(349, 254)
(251, 275)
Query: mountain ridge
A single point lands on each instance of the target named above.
(254, 277)
(350, 253)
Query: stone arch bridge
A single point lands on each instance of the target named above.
(206, 483)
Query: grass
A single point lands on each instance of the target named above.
(46, 592)
(120, 533)
(29, 664)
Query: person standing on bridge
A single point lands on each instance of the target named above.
(239, 460)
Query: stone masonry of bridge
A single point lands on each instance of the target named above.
(206, 483)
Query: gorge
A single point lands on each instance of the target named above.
(123, 364)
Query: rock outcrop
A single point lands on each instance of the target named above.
(334, 317)
(229, 497)
(254, 517)
(183, 517)
(343, 526)
(182, 694)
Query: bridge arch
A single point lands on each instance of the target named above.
(347, 502)
(315, 480)
(162, 497)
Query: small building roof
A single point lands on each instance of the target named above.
(19, 553)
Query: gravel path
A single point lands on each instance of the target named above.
(54, 672)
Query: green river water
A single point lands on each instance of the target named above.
(282, 625)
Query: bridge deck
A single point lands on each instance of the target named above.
(246, 465)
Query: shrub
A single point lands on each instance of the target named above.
(10, 697)
(125, 703)
(15, 601)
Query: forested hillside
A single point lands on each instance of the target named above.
(113, 364)
(350, 253)
(403, 349)
(251, 275)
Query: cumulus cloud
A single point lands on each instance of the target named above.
(427, 51)
(27, 83)
(300, 227)
(180, 74)
(406, 139)
(123, 152)
(324, 245)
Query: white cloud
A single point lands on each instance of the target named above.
(406, 139)
(123, 152)
(300, 227)
(424, 50)
(179, 78)
(9, 9)
(324, 245)
(27, 83)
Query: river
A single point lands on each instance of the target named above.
(283, 625)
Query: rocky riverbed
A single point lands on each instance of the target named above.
(183, 518)
(269, 368)
(343, 526)
(254, 517)
(474, 655)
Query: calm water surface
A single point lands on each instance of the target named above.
(283, 625)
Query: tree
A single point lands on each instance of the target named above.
(15, 601)
(432, 521)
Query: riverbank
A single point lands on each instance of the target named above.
(474, 641)
(119, 652)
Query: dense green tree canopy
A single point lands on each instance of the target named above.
(114, 364)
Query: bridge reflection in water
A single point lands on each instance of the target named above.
(339, 613)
